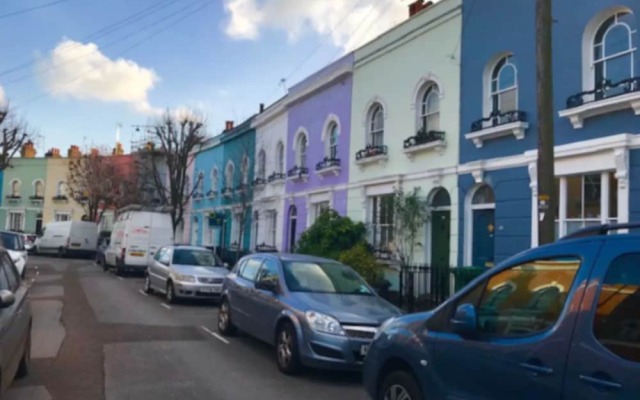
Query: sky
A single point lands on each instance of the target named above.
(75, 70)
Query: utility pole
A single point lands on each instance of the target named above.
(547, 196)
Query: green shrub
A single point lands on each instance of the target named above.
(331, 235)
(360, 258)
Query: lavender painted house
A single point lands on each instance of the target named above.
(319, 120)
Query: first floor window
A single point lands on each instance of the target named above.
(15, 221)
(382, 221)
(586, 200)
(62, 216)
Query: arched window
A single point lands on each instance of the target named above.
(38, 189)
(440, 199)
(245, 170)
(15, 188)
(228, 175)
(280, 158)
(376, 125)
(483, 195)
(62, 189)
(614, 49)
(262, 164)
(200, 183)
(214, 179)
(301, 150)
(430, 109)
(331, 150)
(504, 86)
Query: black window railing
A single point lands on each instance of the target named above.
(197, 196)
(259, 182)
(12, 197)
(212, 193)
(297, 172)
(371, 151)
(423, 137)
(227, 191)
(604, 90)
(36, 198)
(327, 163)
(497, 118)
(276, 176)
(266, 248)
(242, 187)
(60, 197)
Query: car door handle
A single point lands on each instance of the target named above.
(537, 368)
(605, 383)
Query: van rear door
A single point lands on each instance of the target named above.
(137, 238)
(161, 232)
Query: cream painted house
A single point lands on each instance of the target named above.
(405, 128)
(58, 206)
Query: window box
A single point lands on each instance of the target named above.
(383, 254)
(372, 154)
(266, 248)
(259, 183)
(298, 173)
(328, 166)
(13, 199)
(606, 98)
(423, 141)
(498, 125)
(197, 196)
(60, 198)
(276, 177)
(212, 194)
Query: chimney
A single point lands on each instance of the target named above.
(74, 152)
(418, 6)
(261, 108)
(228, 125)
(28, 150)
(118, 150)
(53, 153)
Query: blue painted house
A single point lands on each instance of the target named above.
(597, 122)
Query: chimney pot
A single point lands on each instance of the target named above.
(228, 125)
(418, 6)
(261, 107)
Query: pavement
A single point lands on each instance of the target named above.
(98, 336)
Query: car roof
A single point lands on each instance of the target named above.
(294, 257)
(11, 232)
(187, 247)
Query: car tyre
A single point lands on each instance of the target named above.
(146, 286)
(61, 252)
(287, 354)
(25, 361)
(400, 385)
(225, 325)
(170, 294)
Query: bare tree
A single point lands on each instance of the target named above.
(177, 136)
(15, 133)
(93, 181)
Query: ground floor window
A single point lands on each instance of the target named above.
(318, 208)
(272, 216)
(381, 221)
(207, 235)
(194, 231)
(236, 228)
(16, 221)
(586, 200)
(62, 216)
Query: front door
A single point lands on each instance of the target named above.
(483, 238)
(38, 224)
(604, 362)
(440, 242)
(292, 233)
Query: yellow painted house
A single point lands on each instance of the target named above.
(57, 205)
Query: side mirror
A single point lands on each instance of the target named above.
(268, 285)
(7, 298)
(465, 321)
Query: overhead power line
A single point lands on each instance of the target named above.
(29, 9)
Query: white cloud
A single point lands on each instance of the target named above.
(82, 71)
(347, 27)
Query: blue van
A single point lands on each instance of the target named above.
(561, 321)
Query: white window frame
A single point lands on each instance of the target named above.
(10, 216)
(61, 190)
(301, 151)
(424, 114)
(200, 186)
(273, 227)
(214, 179)
(498, 92)
(375, 134)
(331, 148)
(62, 216)
(262, 164)
(235, 230)
(16, 187)
(280, 162)
(377, 241)
(35, 187)
(631, 50)
(255, 230)
(244, 168)
(228, 175)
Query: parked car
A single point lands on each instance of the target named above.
(14, 244)
(558, 321)
(68, 238)
(317, 312)
(136, 237)
(181, 271)
(15, 324)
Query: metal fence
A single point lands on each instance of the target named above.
(422, 287)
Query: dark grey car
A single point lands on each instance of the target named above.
(15, 323)
(317, 312)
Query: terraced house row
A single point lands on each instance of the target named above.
(446, 102)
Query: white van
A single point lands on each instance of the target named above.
(68, 238)
(136, 236)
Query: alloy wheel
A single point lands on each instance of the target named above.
(170, 295)
(284, 348)
(223, 316)
(397, 392)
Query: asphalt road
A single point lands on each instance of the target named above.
(98, 336)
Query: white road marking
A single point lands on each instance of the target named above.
(168, 307)
(142, 292)
(121, 278)
(215, 335)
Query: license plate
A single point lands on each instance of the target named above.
(364, 349)
(210, 290)
(75, 245)
(137, 253)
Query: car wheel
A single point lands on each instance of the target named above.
(147, 284)
(61, 252)
(287, 354)
(25, 361)
(225, 326)
(400, 385)
(170, 294)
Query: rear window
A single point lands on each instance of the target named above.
(200, 258)
(11, 241)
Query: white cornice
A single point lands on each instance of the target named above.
(318, 84)
(272, 112)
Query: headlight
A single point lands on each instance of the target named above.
(324, 323)
(184, 278)
(383, 327)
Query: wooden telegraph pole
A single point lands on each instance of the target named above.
(547, 196)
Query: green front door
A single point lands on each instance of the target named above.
(440, 242)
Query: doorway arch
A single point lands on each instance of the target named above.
(439, 228)
(293, 222)
(480, 232)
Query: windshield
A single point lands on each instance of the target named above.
(201, 258)
(11, 241)
(302, 276)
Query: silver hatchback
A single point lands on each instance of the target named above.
(185, 272)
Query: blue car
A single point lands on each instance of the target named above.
(561, 321)
(316, 312)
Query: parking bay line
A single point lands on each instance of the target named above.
(215, 335)
(168, 307)
(143, 293)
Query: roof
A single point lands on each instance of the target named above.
(295, 257)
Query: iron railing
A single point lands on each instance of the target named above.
(604, 90)
(327, 163)
(497, 118)
(423, 137)
(371, 151)
(259, 182)
(266, 248)
(297, 172)
(276, 176)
